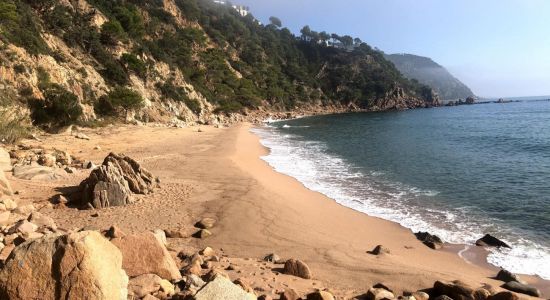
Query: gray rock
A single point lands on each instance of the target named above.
(430, 240)
(114, 182)
(379, 294)
(491, 241)
(272, 258)
(518, 287)
(222, 288)
(33, 172)
(507, 276)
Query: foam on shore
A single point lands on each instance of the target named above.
(370, 193)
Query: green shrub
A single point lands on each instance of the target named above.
(58, 108)
(178, 93)
(112, 32)
(133, 63)
(19, 69)
(12, 127)
(118, 100)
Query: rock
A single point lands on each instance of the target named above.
(244, 284)
(457, 290)
(60, 199)
(320, 295)
(378, 250)
(23, 227)
(145, 254)
(379, 294)
(82, 136)
(113, 183)
(265, 297)
(430, 240)
(5, 253)
(193, 283)
(518, 287)
(507, 276)
(289, 294)
(5, 218)
(382, 286)
(167, 287)
(297, 268)
(89, 165)
(161, 236)
(5, 160)
(215, 273)
(5, 187)
(144, 284)
(481, 294)
(504, 296)
(41, 220)
(47, 160)
(206, 223)
(175, 234)
(419, 295)
(114, 232)
(193, 268)
(443, 297)
(62, 267)
(64, 158)
(149, 297)
(9, 204)
(222, 288)
(207, 252)
(201, 234)
(272, 258)
(24, 210)
(41, 173)
(491, 241)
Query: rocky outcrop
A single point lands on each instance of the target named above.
(491, 241)
(114, 182)
(5, 161)
(64, 267)
(36, 172)
(297, 268)
(145, 254)
(5, 187)
(430, 240)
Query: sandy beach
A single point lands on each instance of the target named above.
(218, 173)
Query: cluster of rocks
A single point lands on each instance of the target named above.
(434, 242)
(114, 183)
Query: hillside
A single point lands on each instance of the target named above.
(179, 61)
(428, 72)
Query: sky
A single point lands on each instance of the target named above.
(499, 48)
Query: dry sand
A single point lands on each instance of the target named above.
(218, 173)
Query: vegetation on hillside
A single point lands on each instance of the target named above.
(233, 61)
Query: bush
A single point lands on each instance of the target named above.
(111, 33)
(134, 64)
(59, 107)
(118, 100)
(178, 93)
(12, 127)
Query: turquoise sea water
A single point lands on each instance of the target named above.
(458, 172)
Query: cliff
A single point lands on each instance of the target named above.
(428, 72)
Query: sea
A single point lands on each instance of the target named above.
(457, 172)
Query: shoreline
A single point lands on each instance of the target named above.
(218, 173)
(470, 254)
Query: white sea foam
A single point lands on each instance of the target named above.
(333, 176)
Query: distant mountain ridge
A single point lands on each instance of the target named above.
(428, 72)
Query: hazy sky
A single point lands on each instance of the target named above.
(497, 47)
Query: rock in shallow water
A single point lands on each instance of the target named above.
(491, 241)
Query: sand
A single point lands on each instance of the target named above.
(218, 173)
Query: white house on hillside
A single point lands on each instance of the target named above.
(241, 9)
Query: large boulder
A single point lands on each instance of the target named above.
(457, 290)
(144, 254)
(491, 241)
(113, 183)
(507, 276)
(222, 288)
(297, 268)
(81, 265)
